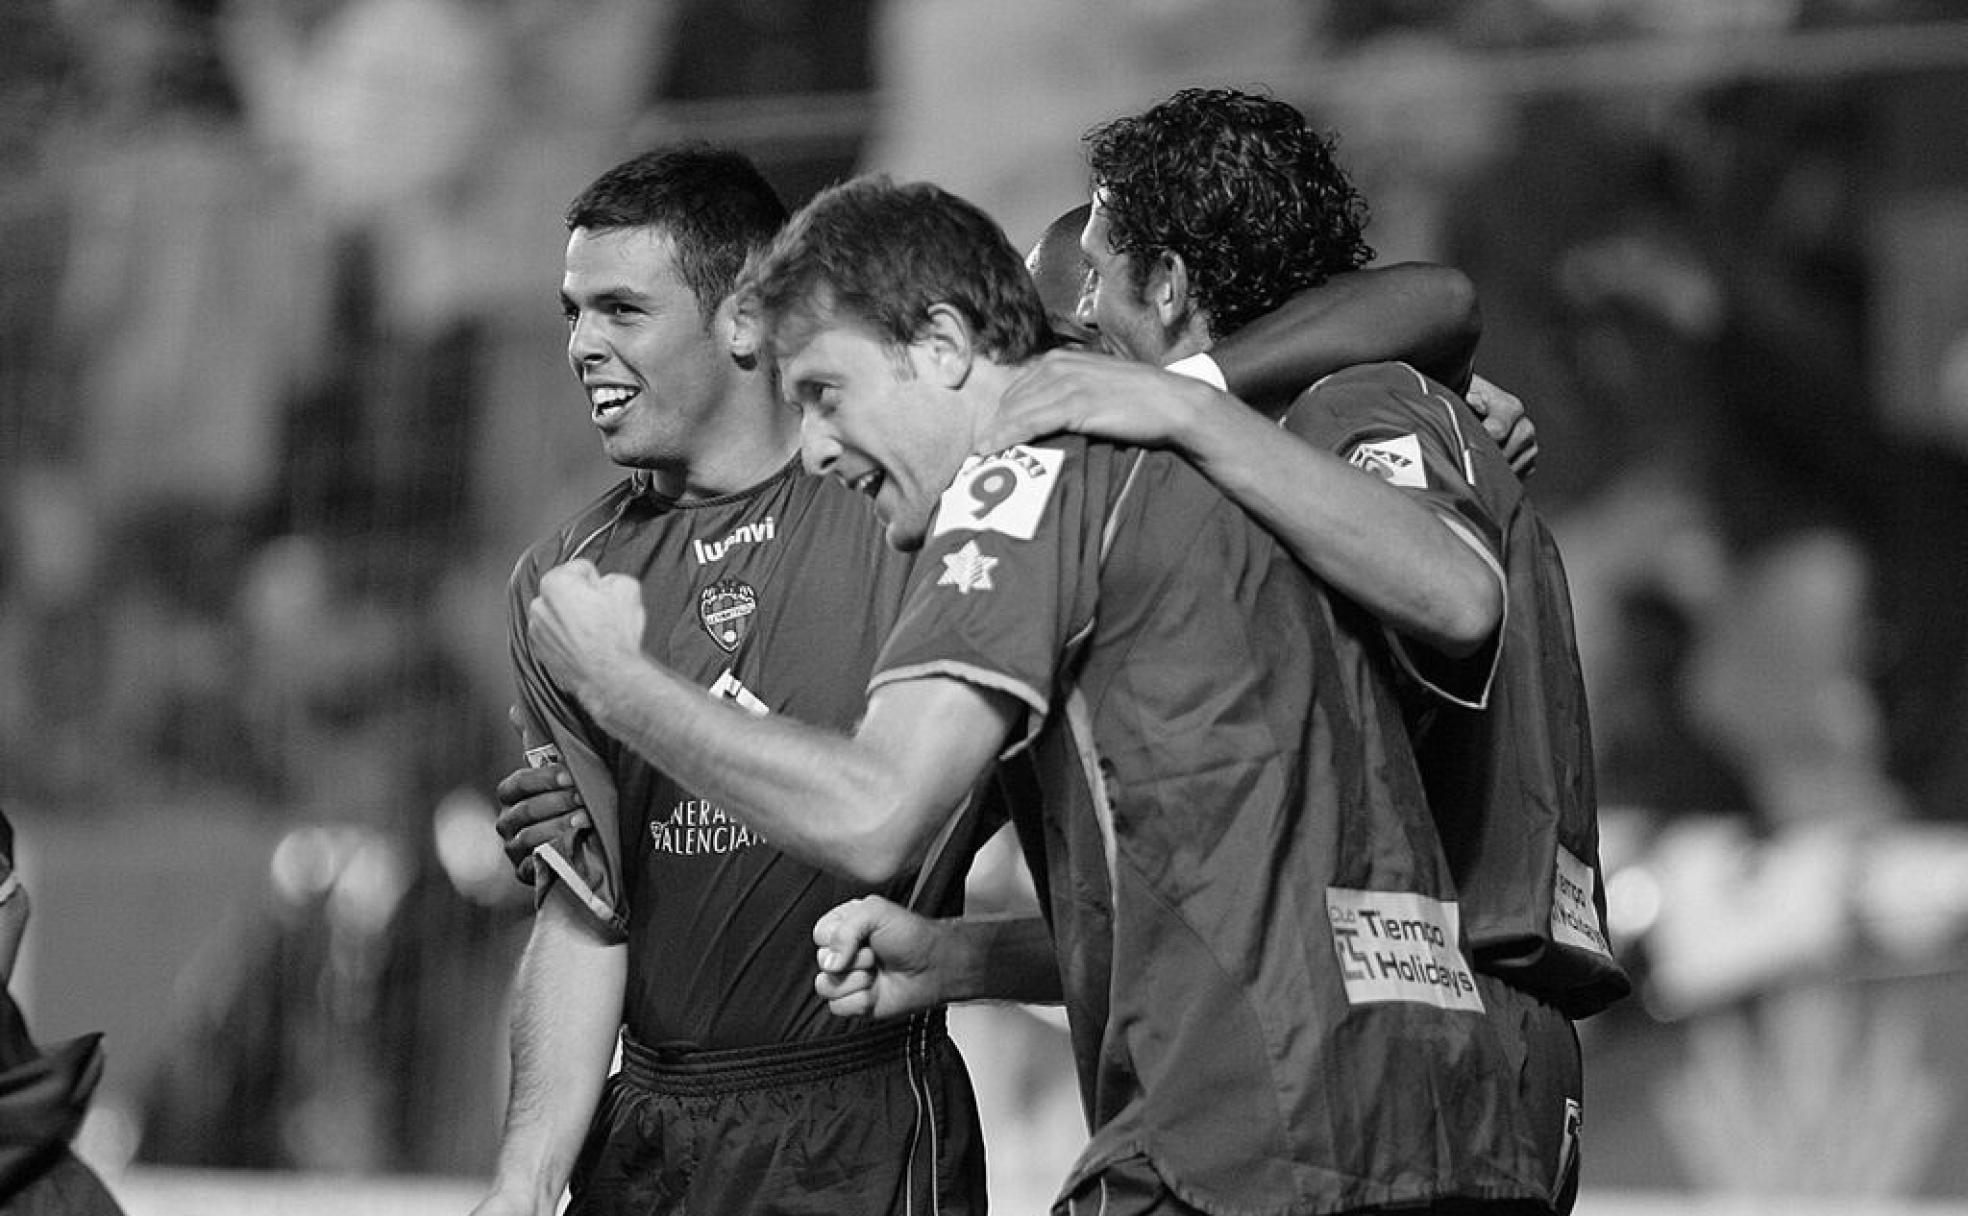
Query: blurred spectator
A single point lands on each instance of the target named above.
(352, 1025)
(43, 1094)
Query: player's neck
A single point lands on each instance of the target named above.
(984, 392)
(742, 447)
(1190, 336)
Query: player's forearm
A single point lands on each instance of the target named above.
(1413, 312)
(567, 1013)
(1000, 958)
(1369, 540)
(824, 797)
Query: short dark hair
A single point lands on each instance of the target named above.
(1241, 188)
(1057, 266)
(883, 254)
(713, 202)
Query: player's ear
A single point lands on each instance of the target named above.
(739, 324)
(1168, 288)
(945, 346)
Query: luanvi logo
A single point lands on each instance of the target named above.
(747, 534)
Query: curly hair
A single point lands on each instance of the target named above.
(712, 202)
(882, 254)
(1241, 188)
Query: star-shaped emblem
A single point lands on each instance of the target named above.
(967, 570)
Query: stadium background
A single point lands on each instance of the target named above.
(281, 397)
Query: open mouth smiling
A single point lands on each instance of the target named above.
(605, 401)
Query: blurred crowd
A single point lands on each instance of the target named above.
(281, 398)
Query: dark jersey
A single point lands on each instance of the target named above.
(1504, 740)
(777, 599)
(1256, 929)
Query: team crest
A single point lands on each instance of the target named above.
(725, 609)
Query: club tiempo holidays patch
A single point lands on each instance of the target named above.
(1399, 946)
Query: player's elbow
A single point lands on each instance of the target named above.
(1461, 305)
(1467, 620)
(887, 839)
(1450, 352)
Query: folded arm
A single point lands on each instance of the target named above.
(866, 804)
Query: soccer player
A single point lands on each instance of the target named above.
(1502, 733)
(1252, 918)
(737, 1093)
(691, 933)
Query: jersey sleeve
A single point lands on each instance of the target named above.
(1392, 421)
(584, 861)
(1003, 587)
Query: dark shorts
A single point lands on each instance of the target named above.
(879, 1121)
(1550, 1085)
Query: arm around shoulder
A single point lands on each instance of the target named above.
(1411, 312)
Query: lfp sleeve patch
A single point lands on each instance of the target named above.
(1397, 460)
(1400, 946)
(1004, 492)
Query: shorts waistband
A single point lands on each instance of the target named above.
(687, 1072)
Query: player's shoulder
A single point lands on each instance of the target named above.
(1391, 377)
(1015, 489)
(1066, 455)
(1081, 465)
(1380, 395)
(566, 540)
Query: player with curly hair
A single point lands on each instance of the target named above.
(1251, 196)
(1231, 182)
(1207, 206)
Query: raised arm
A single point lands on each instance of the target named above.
(867, 805)
(1414, 312)
(567, 1011)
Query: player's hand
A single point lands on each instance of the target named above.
(537, 804)
(1098, 395)
(1507, 422)
(876, 959)
(584, 623)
